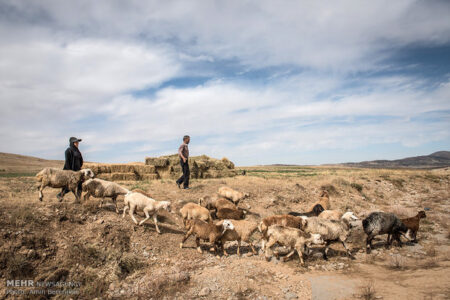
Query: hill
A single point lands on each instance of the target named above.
(439, 159)
(15, 163)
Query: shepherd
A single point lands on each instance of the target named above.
(74, 162)
(183, 153)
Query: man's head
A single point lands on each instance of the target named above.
(186, 139)
(74, 141)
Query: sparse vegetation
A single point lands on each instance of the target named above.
(357, 187)
(367, 291)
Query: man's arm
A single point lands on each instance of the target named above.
(180, 153)
(68, 155)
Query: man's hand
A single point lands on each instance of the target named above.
(184, 159)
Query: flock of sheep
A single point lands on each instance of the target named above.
(218, 219)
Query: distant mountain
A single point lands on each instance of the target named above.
(15, 163)
(439, 159)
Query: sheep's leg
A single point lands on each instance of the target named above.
(397, 238)
(253, 248)
(348, 250)
(239, 248)
(147, 216)
(286, 258)
(131, 213)
(155, 220)
(268, 245)
(77, 196)
(197, 242)
(300, 255)
(86, 196)
(125, 208)
(325, 252)
(41, 195)
(101, 202)
(114, 199)
(186, 236)
(369, 244)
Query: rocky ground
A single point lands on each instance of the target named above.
(112, 258)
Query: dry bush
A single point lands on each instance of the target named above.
(129, 263)
(367, 291)
(15, 265)
(430, 263)
(357, 186)
(331, 189)
(397, 262)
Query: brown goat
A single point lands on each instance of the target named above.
(228, 213)
(413, 224)
(324, 200)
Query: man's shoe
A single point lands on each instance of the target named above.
(186, 188)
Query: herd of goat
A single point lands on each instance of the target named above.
(218, 219)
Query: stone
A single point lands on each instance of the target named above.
(290, 295)
(204, 292)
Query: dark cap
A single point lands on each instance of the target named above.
(74, 139)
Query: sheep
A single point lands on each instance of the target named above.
(331, 231)
(317, 209)
(216, 203)
(293, 238)
(57, 178)
(283, 220)
(228, 213)
(101, 188)
(243, 230)
(150, 206)
(413, 224)
(194, 211)
(231, 194)
(206, 231)
(335, 215)
(324, 201)
(378, 223)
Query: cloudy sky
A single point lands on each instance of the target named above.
(260, 82)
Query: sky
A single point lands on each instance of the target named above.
(258, 82)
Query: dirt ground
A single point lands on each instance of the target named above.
(112, 258)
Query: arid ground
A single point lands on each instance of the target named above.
(114, 259)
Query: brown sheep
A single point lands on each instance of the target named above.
(413, 224)
(194, 211)
(324, 200)
(216, 203)
(228, 213)
(231, 194)
(243, 230)
(206, 231)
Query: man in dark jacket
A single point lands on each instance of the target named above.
(74, 162)
(183, 153)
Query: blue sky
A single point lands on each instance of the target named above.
(259, 82)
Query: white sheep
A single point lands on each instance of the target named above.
(100, 188)
(57, 178)
(150, 207)
(293, 238)
(331, 230)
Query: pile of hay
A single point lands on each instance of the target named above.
(200, 166)
(164, 167)
(122, 172)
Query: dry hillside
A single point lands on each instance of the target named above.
(112, 258)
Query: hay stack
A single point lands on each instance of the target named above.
(164, 167)
(201, 166)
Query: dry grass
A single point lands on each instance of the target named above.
(397, 262)
(367, 291)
